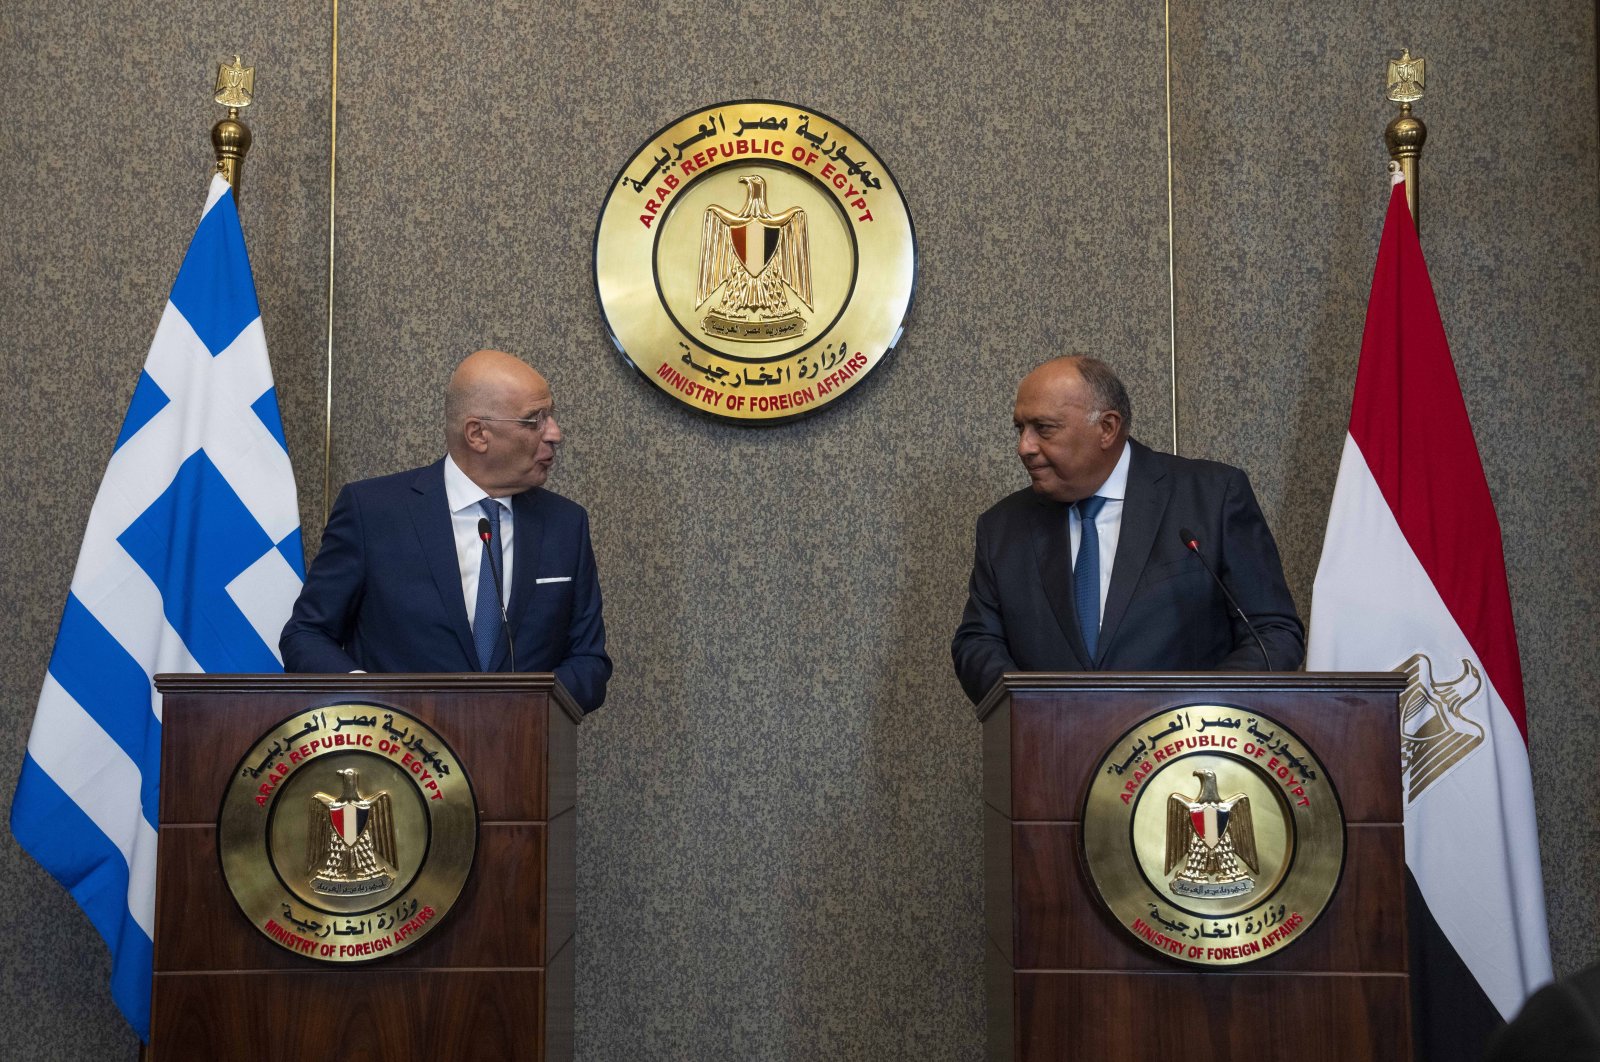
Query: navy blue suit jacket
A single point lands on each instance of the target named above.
(384, 593)
(1162, 613)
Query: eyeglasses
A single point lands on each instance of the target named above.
(537, 422)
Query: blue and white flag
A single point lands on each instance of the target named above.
(191, 562)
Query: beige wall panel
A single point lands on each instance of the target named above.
(779, 837)
(1281, 191)
(105, 159)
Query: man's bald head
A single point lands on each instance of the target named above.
(480, 386)
(488, 405)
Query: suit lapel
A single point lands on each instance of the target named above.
(430, 515)
(527, 543)
(1052, 548)
(1142, 508)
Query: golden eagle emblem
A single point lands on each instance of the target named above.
(756, 259)
(350, 846)
(1210, 837)
(1405, 78)
(1435, 734)
(236, 83)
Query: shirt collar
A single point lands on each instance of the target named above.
(1116, 485)
(460, 492)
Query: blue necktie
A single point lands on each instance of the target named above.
(487, 626)
(1086, 573)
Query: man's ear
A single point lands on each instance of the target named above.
(475, 434)
(1110, 428)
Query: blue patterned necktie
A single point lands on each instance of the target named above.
(1086, 573)
(487, 626)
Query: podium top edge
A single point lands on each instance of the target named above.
(1197, 681)
(362, 683)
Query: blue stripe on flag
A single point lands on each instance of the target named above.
(148, 400)
(294, 551)
(108, 683)
(67, 843)
(193, 541)
(215, 291)
(266, 410)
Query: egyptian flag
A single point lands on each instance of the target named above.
(1413, 579)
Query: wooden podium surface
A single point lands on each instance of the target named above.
(492, 981)
(1067, 981)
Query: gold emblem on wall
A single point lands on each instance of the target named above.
(1213, 835)
(348, 832)
(755, 261)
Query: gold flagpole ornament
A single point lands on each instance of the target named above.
(231, 137)
(1406, 134)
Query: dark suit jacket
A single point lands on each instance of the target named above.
(1162, 613)
(1559, 1023)
(384, 593)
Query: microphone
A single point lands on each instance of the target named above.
(1192, 544)
(500, 591)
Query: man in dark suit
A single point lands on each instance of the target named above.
(1558, 1023)
(1136, 599)
(414, 566)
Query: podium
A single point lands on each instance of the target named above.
(1067, 980)
(492, 980)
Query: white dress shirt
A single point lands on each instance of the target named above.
(1108, 522)
(463, 496)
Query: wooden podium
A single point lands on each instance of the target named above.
(492, 981)
(1066, 981)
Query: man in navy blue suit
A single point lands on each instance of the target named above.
(1087, 569)
(414, 567)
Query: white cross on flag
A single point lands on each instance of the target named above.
(190, 562)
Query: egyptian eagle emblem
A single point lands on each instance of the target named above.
(756, 259)
(1435, 734)
(1209, 837)
(350, 846)
(236, 84)
(1405, 78)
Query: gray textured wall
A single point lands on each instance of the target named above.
(780, 831)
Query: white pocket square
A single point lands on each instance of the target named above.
(554, 579)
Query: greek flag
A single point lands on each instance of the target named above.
(190, 562)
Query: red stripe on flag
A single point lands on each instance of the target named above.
(1410, 422)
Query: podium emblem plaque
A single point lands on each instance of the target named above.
(1213, 834)
(348, 832)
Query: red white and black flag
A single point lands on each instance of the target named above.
(1413, 578)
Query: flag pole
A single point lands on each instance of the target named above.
(230, 138)
(1406, 134)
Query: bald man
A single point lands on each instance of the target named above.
(405, 581)
(1137, 599)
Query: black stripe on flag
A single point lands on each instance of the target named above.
(1451, 1018)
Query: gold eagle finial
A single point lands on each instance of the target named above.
(236, 83)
